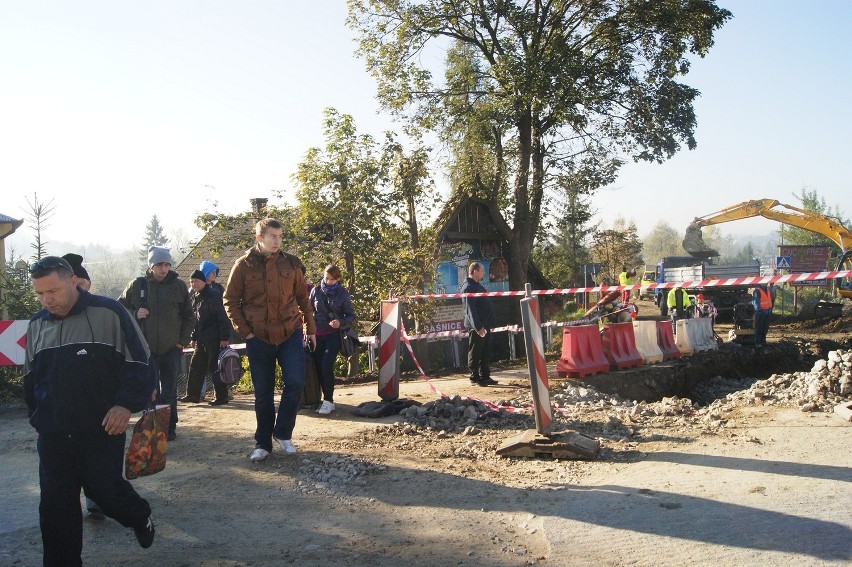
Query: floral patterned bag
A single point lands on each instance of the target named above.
(147, 452)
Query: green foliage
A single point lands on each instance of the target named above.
(810, 200)
(553, 87)
(154, 236)
(662, 241)
(616, 247)
(561, 257)
(359, 202)
(19, 300)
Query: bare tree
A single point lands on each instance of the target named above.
(38, 215)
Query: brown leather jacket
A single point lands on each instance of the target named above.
(266, 295)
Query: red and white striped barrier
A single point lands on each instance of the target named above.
(389, 350)
(747, 281)
(537, 365)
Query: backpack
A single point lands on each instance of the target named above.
(230, 368)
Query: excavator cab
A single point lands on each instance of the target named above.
(844, 285)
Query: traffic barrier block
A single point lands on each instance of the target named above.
(665, 340)
(582, 354)
(619, 346)
(703, 335)
(645, 333)
(682, 338)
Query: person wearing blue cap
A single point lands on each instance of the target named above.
(211, 272)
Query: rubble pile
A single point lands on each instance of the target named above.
(334, 472)
(828, 383)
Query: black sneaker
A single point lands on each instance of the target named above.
(487, 381)
(145, 535)
(218, 402)
(95, 514)
(475, 382)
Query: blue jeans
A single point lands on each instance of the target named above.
(262, 356)
(328, 347)
(168, 365)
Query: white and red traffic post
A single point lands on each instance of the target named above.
(389, 350)
(536, 364)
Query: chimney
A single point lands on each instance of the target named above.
(258, 205)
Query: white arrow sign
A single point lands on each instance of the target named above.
(13, 340)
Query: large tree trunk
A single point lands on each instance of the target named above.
(519, 252)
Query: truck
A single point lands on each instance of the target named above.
(648, 276)
(679, 269)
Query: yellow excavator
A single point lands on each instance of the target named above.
(771, 209)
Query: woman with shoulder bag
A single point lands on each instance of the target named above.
(333, 313)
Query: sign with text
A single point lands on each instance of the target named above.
(806, 259)
(447, 318)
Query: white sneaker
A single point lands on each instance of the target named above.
(326, 408)
(286, 446)
(259, 455)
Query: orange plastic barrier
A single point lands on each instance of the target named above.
(619, 345)
(665, 338)
(581, 352)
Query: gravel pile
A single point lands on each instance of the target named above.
(334, 473)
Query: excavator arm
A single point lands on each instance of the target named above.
(694, 244)
(794, 216)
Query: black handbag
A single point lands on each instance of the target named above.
(348, 342)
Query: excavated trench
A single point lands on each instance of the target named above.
(686, 377)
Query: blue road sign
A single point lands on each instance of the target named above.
(782, 262)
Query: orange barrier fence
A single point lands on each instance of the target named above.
(582, 354)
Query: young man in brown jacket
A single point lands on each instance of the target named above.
(266, 299)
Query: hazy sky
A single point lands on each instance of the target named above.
(120, 110)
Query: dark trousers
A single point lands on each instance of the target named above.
(328, 347)
(93, 462)
(478, 355)
(168, 366)
(761, 326)
(262, 357)
(205, 362)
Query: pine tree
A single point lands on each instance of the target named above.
(154, 236)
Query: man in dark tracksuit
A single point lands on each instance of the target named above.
(160, 303)
(478, 320)
(212, 330)
(85, 372)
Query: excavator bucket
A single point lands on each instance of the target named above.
(694, 244)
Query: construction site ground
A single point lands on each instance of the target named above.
(747, 479)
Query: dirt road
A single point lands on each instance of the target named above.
(771, 488)
(751, 483)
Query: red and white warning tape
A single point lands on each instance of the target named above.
(747, 281)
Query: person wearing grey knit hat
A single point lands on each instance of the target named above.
(160, 302)
(159, 255)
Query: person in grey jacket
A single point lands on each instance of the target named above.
(86, 370)
(478, 320)
(159, 301)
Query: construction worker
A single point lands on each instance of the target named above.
(763, 298)
(678, 302)
(624, 278)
